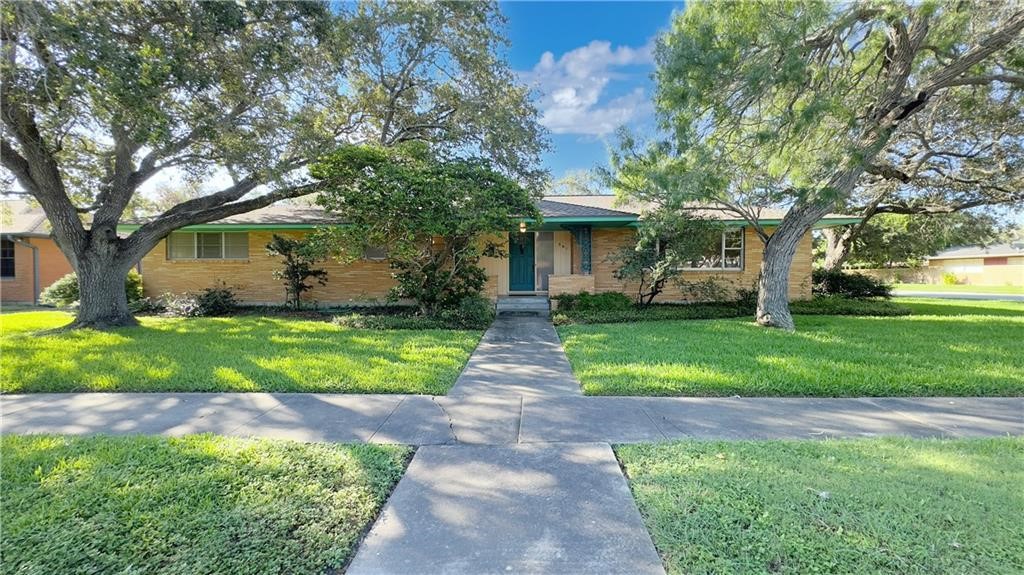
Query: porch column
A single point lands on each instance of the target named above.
(582, 236)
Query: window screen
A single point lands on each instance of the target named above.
(181, 246)
(236, 246)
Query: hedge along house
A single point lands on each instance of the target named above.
(567, 252)
(29, 257)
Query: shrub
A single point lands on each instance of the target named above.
(473, 312)
(585, 301)
(950, 279)
(64, 291)
(851, 285)
(217, 300)
(837, 305)
(822, 305)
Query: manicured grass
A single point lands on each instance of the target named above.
(199, 504)
(895, 506)
(945, 348)
(242, 353)
(943, 288)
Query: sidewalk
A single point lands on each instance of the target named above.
(505, 420)
(514, 472)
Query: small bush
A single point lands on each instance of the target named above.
(64, 292)
(473, 312)
(212, 301)
(851, 285)
(585, 301)
(217, 300)
(950, 279)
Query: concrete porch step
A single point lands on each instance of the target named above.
(524, 305)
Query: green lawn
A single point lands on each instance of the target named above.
(243, 353)
(852, 506)
(200, 504)
(948, 347)
(943, 288)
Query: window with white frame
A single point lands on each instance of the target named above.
(724, 254)
(208, 246)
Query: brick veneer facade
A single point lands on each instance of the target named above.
(52, 266)
(369, 281)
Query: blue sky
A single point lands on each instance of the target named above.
(590, 63)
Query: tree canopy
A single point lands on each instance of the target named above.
(100, 98)
(789, 104)
(435, 216)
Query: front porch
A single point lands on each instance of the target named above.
(543, 262)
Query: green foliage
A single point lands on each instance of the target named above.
(945, 348)
(435, 216)
(847, 284)
(473, 312)
(894, 239)
(950, 279)
(744, 307)
(843, 305)
(238, 353)
(934, 506)
(64, 291)
(299, 255)
(666, 242)
(586, 301)
(200, 503)
(217, 300)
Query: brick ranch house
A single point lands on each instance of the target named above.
(29, 258)
(568, 252)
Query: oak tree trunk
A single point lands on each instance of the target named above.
(101, 269)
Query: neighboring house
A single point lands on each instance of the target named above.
(29, 257)
(994, 265)
(566, 253)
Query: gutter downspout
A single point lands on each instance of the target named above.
(35, 266)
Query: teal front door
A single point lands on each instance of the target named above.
(520, 261)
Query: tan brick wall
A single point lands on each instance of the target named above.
(52, 266)
(253, 280)
(607, 241)
(563, 284)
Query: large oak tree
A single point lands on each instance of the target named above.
(792, 103)
(99, 98)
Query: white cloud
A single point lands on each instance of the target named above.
(573, 88)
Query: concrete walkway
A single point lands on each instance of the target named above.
(515, 472)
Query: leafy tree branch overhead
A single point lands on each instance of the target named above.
(435, 216)
(99, 98)
(793, 103)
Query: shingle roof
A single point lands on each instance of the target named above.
(552, 207)
(283, 214)
(610, 202)
(19, 218)
(994, 250)
(598, 207)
